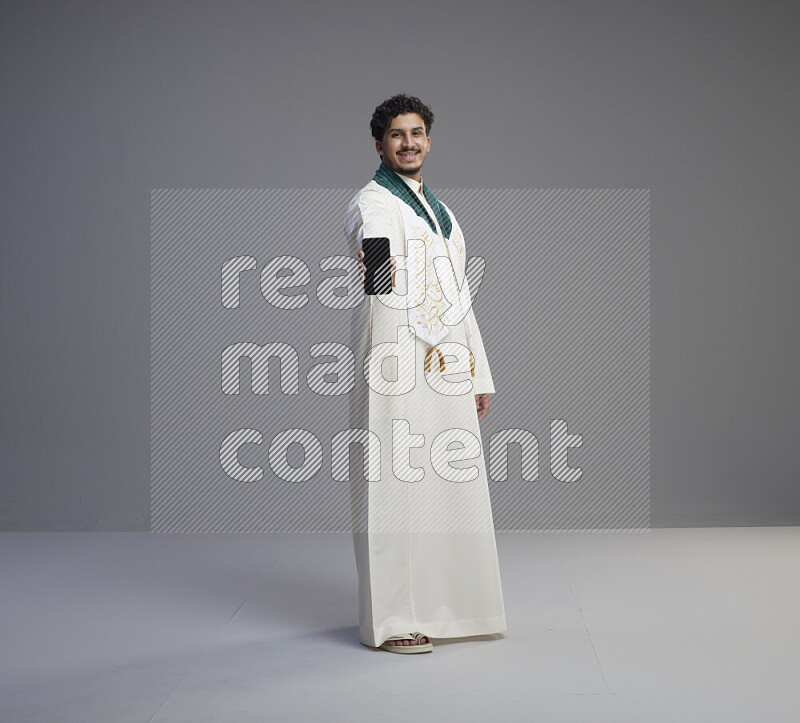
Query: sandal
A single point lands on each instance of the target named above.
(418, 648)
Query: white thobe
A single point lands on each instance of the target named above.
(427, 556)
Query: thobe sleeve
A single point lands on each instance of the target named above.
(370, 216)
(482, 382)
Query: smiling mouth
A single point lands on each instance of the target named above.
(408, 156)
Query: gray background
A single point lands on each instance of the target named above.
(104, 101)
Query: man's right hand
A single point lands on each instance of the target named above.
(364, 268)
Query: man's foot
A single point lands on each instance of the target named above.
(422, 641)
(407, 643)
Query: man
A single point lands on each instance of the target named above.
(423, 530)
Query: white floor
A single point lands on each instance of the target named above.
(669, 625)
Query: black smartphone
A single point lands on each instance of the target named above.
(378, 260)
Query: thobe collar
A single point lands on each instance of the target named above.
(412, 183)
(416, 187)
(407, 192)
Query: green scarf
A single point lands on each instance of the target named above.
(387, 178)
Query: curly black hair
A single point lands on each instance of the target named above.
(393, 107)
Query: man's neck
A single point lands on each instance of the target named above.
(406, 177)
(417, 178)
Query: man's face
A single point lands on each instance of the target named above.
(405, 145)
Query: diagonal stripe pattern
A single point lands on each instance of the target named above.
(254, 296)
